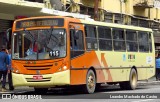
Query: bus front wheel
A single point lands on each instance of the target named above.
(90, 82)
(132, 83)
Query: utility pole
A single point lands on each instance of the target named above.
(96, 10)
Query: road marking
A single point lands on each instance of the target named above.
(144, 100)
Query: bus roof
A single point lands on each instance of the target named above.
(115, 25)
(92, 22)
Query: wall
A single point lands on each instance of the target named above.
(6, 16)
(112, 5)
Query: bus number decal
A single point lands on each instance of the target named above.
(54, 53)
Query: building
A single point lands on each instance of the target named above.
(145, 13)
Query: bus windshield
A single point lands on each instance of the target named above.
(39, 44)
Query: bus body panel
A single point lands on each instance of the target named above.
(43, 67)
(49, 80)
(81, 65)
(120, 69)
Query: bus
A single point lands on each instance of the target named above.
(53, 51)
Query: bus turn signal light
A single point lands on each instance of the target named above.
(15, 70)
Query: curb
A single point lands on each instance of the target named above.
(149, 83)
(15, 92)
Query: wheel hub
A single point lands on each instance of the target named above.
(91, 82)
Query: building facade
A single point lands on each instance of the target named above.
(145, 13)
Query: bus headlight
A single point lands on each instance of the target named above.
(63, 68)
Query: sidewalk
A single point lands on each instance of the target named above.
(151, 81)
(17, 90)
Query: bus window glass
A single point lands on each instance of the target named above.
(39, 44)
(143, 41)
(76, 42)
(131, 40)
(104, 32)
(91, 37)
(118, 39)
(105, 39)
(90, 31)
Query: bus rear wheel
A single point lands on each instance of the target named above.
(132, 83)
(40, 90)
(90, 82)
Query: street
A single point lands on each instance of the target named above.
(108, 93)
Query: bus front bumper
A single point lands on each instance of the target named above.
(47, 80)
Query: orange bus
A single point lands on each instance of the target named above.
(54, 51)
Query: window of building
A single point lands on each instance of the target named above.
(143, 23)
(105, 39)
(118, 39)
(83, 10)
(91, 37)
(108, 17)
(91, 12)
(131, 40)
(118, 18)
(134, 21)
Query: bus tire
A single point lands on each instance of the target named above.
(40, 90)
(132, 83)
(90, 85)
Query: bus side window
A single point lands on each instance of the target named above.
(105, 38)
(76, 43)
(143, 41)
(131, 41)
(91, 37)
(118, 39)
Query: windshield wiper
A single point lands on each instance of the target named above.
(51, 37)
(30, 35)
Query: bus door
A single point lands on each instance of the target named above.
(77, 53)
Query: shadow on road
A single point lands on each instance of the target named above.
(78, 91)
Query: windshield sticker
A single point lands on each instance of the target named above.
(16, 55)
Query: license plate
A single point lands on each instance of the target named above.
(37, 77)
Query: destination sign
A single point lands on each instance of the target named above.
(40, 23)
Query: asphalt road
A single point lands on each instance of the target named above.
(143, 93)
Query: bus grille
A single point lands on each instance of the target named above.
(42, 80)
(42, 67)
